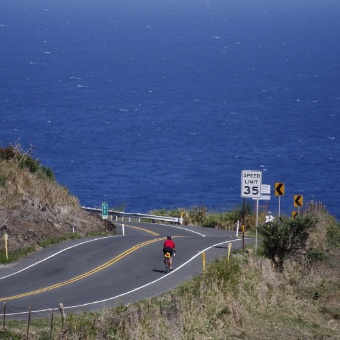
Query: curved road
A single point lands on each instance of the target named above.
(100, 272)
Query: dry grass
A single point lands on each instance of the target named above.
(21, 184)
(34, 208)
(260, 304)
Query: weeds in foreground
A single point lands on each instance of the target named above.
(15, 255)
(55, 240)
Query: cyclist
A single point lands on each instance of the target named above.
(169, 247)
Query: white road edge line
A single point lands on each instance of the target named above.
(133, 290)
(191, 231)
(55, 254)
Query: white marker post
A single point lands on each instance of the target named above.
(6, 247)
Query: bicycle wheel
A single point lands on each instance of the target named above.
(167, 263)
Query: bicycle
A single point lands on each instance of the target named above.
(167, 262)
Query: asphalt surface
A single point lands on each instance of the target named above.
(93, 273)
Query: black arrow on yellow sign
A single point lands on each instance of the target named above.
(294, 214)
(298, 201)
(279, 189)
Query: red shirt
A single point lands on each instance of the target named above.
(169, 244)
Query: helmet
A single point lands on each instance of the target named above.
(168, 237)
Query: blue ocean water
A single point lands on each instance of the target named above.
(161, 104)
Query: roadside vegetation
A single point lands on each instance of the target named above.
(200, 216)
(289, 289)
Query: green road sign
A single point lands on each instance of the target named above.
(105, 211)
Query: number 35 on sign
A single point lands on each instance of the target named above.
(251, 181)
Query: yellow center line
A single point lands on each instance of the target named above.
(82, 276)
(143, 229)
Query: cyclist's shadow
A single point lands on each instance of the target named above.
(158, 271)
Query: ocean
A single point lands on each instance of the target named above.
(162, 103)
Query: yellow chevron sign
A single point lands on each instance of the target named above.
(294, 214)
(298, 201)
(279, 189)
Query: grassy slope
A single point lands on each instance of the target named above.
(35, 209)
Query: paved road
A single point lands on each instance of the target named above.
(96, 272)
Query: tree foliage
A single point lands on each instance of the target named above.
(285, 238)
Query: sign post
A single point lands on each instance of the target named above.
(251, 184)
(279, 191)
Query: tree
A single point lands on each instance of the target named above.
(285, 238)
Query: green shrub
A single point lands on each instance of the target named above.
(237, 213)
(315, 255)
(34, 166)
(47, 173)
(29, 163)
(198, 215)
(286, 238)
(224, 271)
(220, 272)
(8, 153)
(211, 221)
(164, 212)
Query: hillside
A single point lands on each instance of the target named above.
(34, 207)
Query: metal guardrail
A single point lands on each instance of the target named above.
(137, 216)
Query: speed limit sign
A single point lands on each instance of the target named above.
(251, 182)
